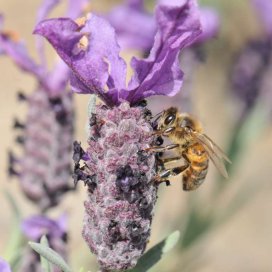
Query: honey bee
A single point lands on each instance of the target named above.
(191, 145)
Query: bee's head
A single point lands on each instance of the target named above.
(167, 120)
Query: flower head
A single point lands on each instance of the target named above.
(116, 167)
(250, 65)
(46, 136)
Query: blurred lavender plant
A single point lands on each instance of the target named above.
(251, 77)
(45, 166)
(248, 72)
(34, 228)
(44, 169)
(117, 171)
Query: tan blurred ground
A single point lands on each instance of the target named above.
(243, 244)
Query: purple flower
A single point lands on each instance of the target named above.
(93, 56)
(116, 168)
(46, 136)
(251, 74)
(34, 228)
(4, 266)
(264, 10)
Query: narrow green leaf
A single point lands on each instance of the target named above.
(13, 251)
(153, 255)
(52, 256)
(46, 266)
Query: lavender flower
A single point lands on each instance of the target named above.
(4, 266)
(251, 71)
(34, 228)
(115, 166)
(44, 168)
(248, 71)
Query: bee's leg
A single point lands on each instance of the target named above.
(163, 162)
(166, 161)
(162, 148)
(164, 175)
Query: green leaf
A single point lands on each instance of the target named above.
(46, 266)
(52, 256)
(15, 244)
(153, 255)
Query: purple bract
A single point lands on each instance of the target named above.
(93, 55)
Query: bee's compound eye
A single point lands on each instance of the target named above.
(169, 119)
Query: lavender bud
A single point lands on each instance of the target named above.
(121, 194)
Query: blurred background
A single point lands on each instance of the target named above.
(226, 224)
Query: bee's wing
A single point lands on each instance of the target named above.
(215, 152)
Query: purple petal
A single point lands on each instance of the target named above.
(264, 10)
(45, 8)
(16, 50)
(160, 74)
(36, 226)
(209, 20)
(76, 8)
(4, 266)
(139, 30)
(58, 78)
(97, 63)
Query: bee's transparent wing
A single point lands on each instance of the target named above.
(215, 152)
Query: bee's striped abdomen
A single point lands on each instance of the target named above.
(196, 173)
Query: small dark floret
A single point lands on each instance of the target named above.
(18, 124)
(92, 120)
(21, 96)
(20, 139)
(78, 152)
